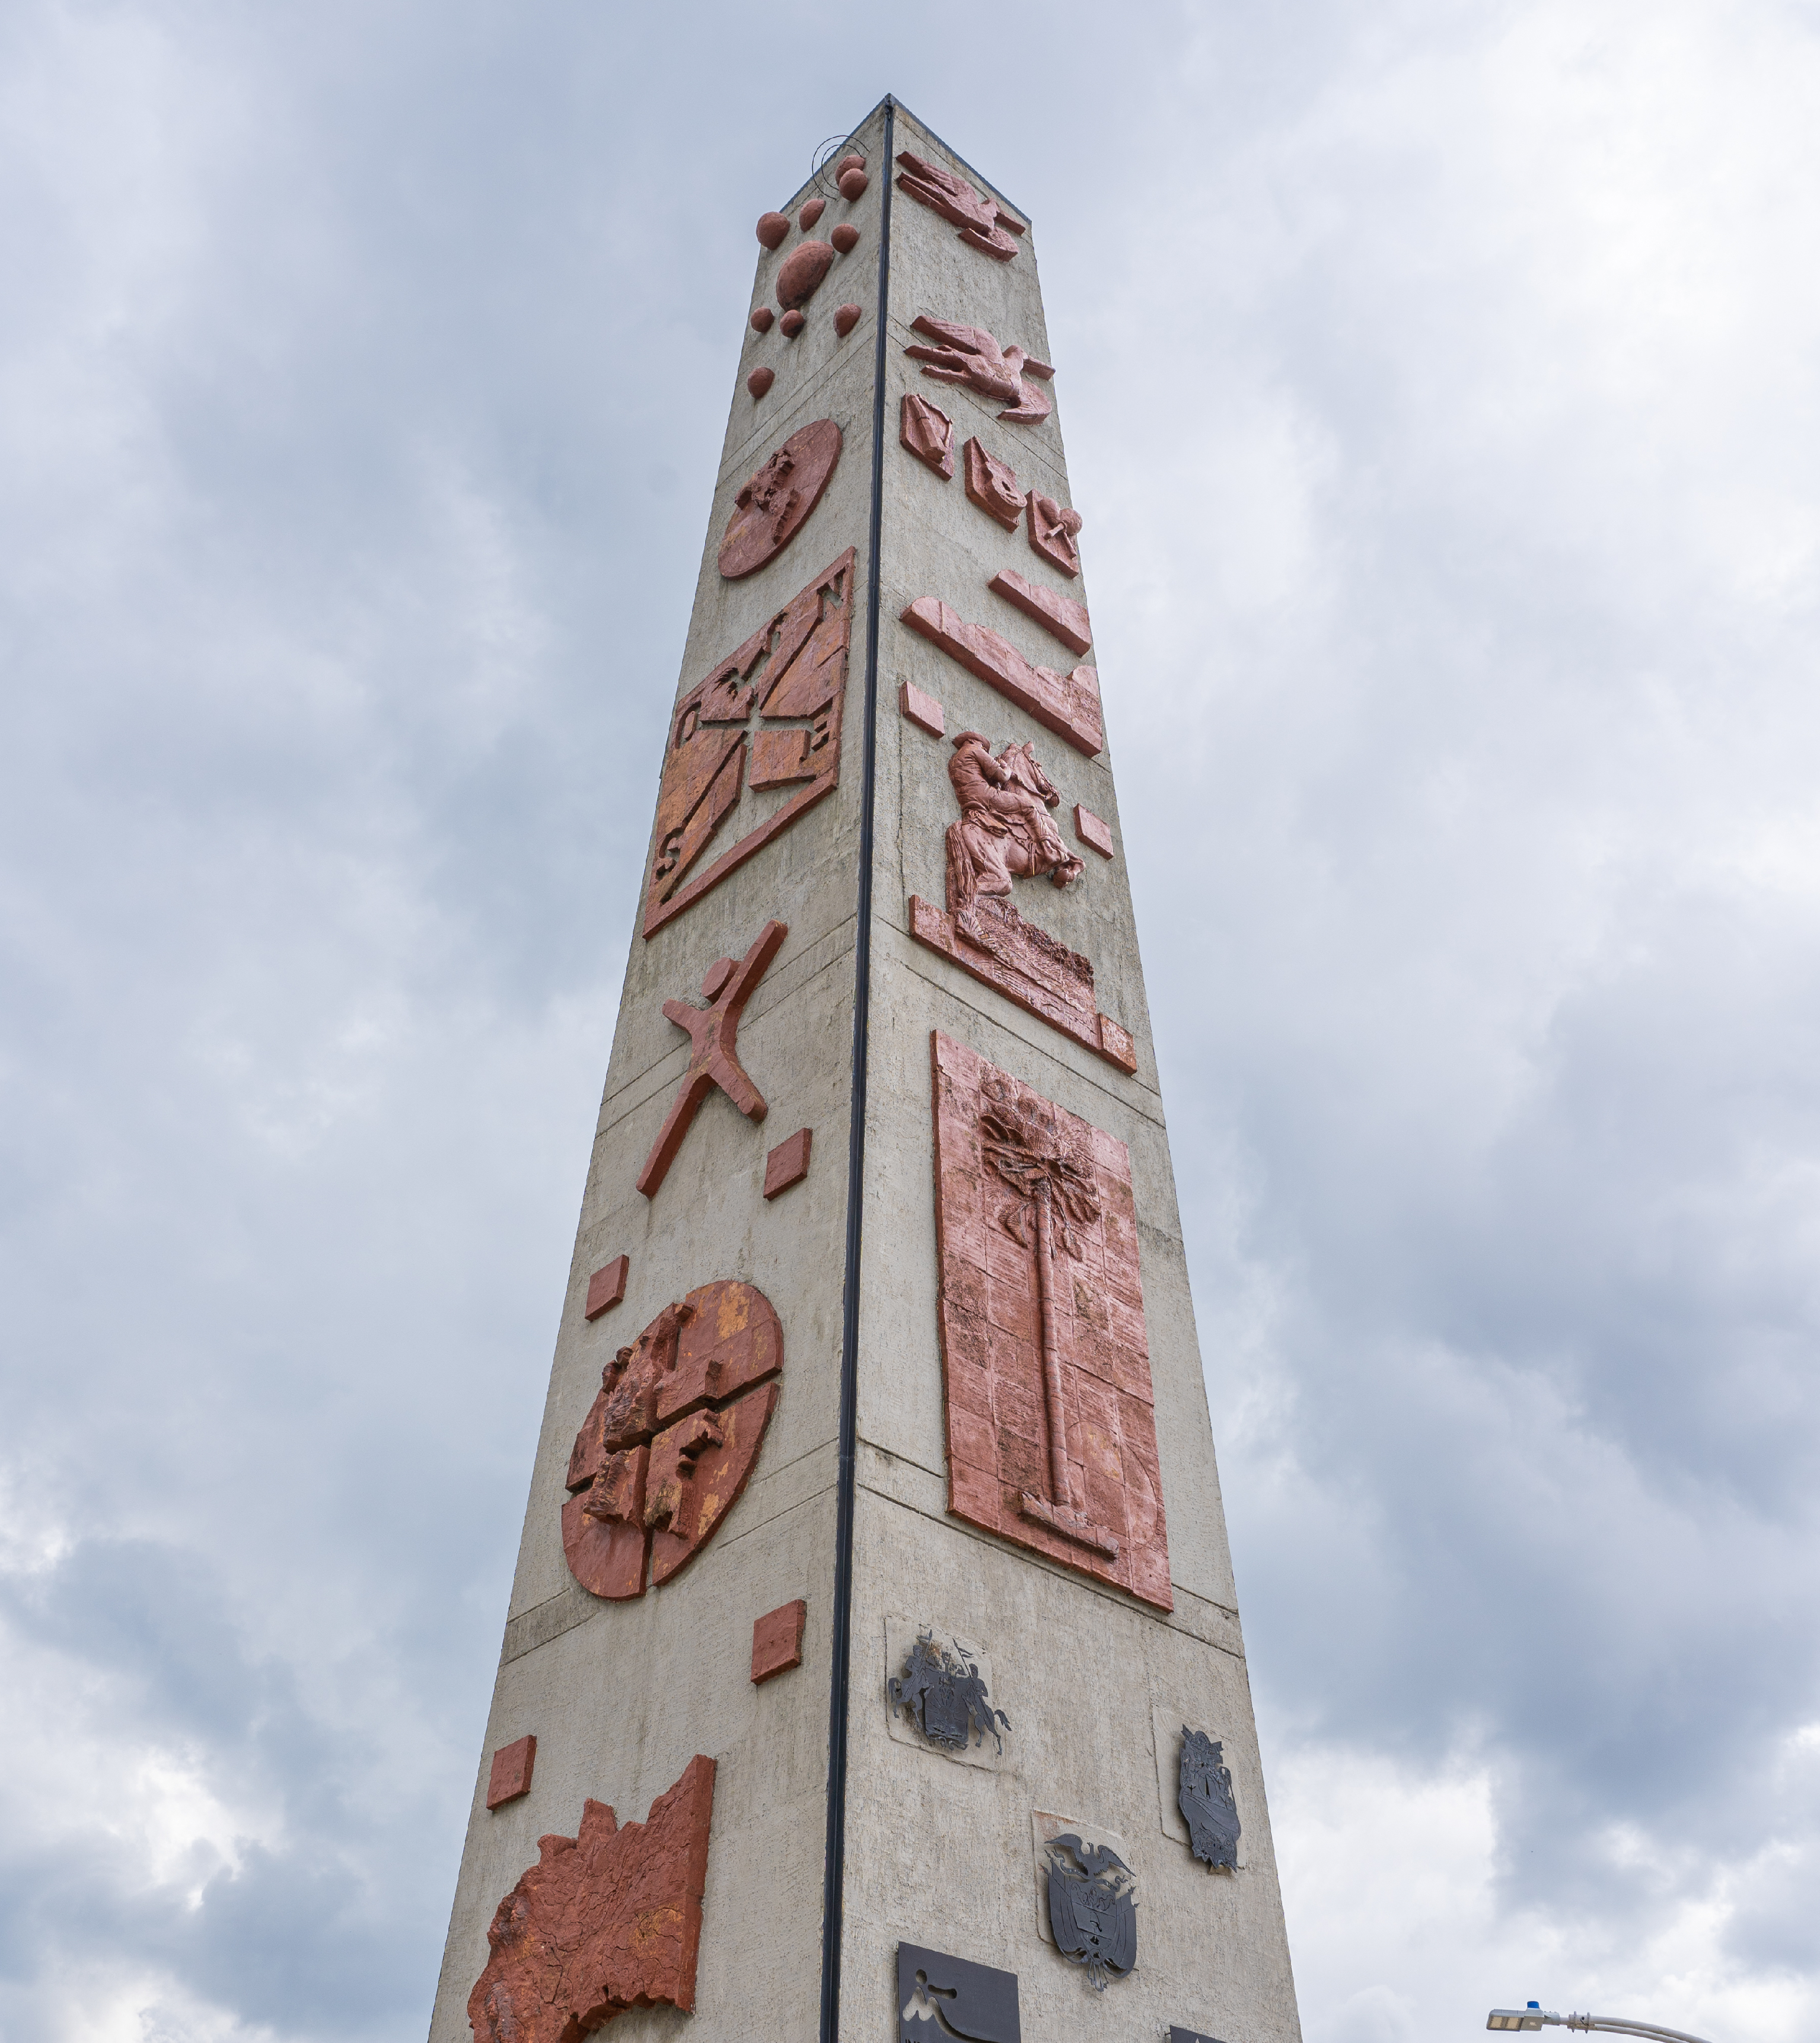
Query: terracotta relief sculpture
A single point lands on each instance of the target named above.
(992, 486)
(801, 276)
(1052, 1438)
(969, 354)
(1060, 615)
(845, 237)
(605, 1920)
(928, 433)
(671, 1439)
(1069, 706)
(792, 673)
(1052, 531)
(775, 505)
(713, 1032)
(1005, 830)
(983, 224)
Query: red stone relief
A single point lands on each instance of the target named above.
(1052, 531)
(852, 161)
(777, 1640)
(983, 223)
(969, 354)
(810, 213)
(714, 1031)
(846, 318)
(761, 318)
(607, 1286)
(510, 1774)
(1051, 1435)
(1092, 831)
(792, 672)
(853, 185)
(845, 237)
(1068, 705)
(791, 324)
(761, 381)
(772, 227)
(800, 278)
(605, 1920)
(928, 433)
(788, 1163)
(777, 499)
(992, 486)
(671, 1439)
(1060, 615)
(1004, 832)
(922, 710)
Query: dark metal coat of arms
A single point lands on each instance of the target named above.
(943, 1694)
(1206, 1801)
(1093, 1908)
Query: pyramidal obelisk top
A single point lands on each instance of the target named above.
(873, 1668)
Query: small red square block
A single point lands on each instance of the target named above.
(1090, 829)
(607, 1286)
(511, 1777)
(777, 1640)
(923, 710)
(788, 1163)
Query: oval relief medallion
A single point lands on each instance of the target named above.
(776, 502)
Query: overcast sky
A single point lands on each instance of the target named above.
(1440, 386)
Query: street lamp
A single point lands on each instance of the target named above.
(1534, 2015)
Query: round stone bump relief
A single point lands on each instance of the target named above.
(792, 324)
(760, 381)
(772, 227)
(800, 277)
(854, 185)
(852, 161)
(810, 213)
(846, 318)
(762, 315)
(845, 237)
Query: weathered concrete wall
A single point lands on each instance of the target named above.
(621, 1695)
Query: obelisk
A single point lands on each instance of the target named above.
(873, 1667)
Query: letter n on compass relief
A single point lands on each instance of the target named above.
(798, 1409)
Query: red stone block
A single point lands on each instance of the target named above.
(511, 1774)
(791, 324)
(607, 1920)
(1091, 830)
(800, 277)
(923, 710)
(772, 227)
(927, 431)
(1068, 704)
(606, 1286)
(845, 237)
(788, 1163)
(777, 1640)
(1060, 615)
(761, 318)
(853, 160)
(853, 185)
(848, 316)
(993, 485)
(760, 380)
(810, 213)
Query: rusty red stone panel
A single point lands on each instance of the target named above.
(1047, 1446)
(795, 666)
(777, 1640)
(1068, 705)
(774, 504)
(846, 318)
(1091, 830)
(928, 433)
(1053, 531)
(761, 318)
(1060, 615)
(760, 380)
(788, 1163)
(671, 1438)
(801, 276)
(984, 224)
(510, 1776)
(992, 485)
(845, 237)
(922, 710)
(969, 354)
(607, 1920)
(853, 185)
(772, 227)
(606, 1286)
(810, 213)
(713, 1032)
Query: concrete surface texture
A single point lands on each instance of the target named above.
(935, 1846)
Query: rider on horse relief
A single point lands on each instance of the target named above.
(1004, 827)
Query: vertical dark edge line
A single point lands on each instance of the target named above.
(834, 1861)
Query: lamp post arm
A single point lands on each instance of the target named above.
(1618, 2025)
